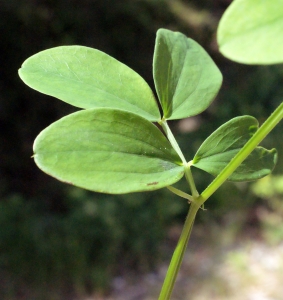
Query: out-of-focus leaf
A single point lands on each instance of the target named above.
(222, 145)
(89, 78)
(186, 78)
(250, 32)
(109, 151)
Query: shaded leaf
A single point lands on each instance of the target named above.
(108, 151)
(223, 144)
(186, 78)
(89, 78)
(250, 32)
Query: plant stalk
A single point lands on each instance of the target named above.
(172, 140)
(180, 193)
(190, 180)
(178, 254)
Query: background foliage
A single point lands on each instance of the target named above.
(66, 241)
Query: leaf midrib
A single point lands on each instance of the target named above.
(44, 152)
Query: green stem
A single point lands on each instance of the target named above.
(172, 140)
(190, 179)
(178, 254)
(180, 193)
(261, 133)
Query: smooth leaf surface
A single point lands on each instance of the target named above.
(223, 144)
(89, 78)
(109, 151)
(250, 31)
(186, 78)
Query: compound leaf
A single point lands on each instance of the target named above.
(186, 78)
(109, 151)
(223, 144)
(88, 78)
(250, 31)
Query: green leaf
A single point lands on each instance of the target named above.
(250, 31)
(223, 144)
(89, 78)
(109, 151)
(186, 78)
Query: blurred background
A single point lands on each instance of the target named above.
(61, 242)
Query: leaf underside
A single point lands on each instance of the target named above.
(186, 78)
(109, 151)
(88, 78)
(222, 145)
(250, 31)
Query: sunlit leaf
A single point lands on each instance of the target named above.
(108, 151)
(89, 78)
(222, 145)
(250, 31)
(186, 78)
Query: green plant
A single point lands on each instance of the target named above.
(113, 147)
